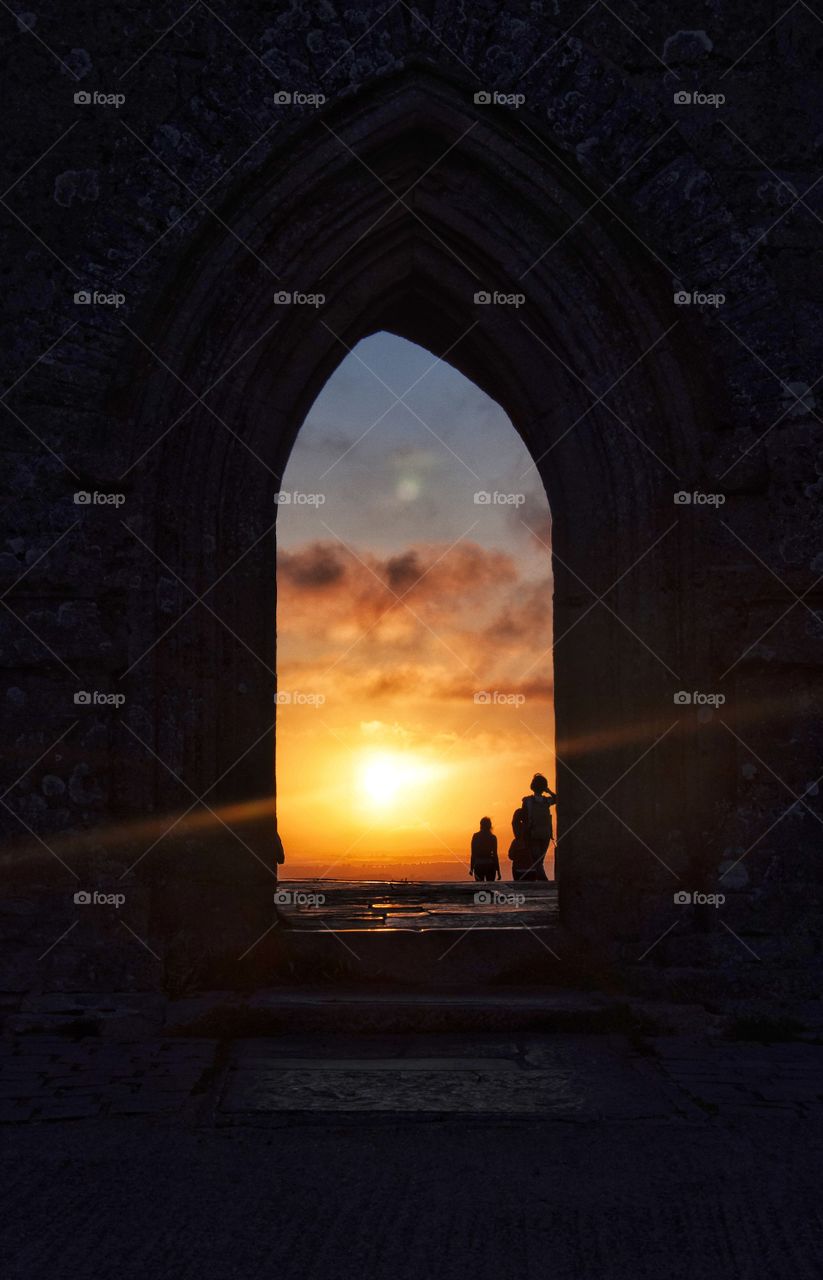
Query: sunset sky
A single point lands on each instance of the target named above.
(399, 599)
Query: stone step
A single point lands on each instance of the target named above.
(355, 1010)
(447, 954)
(568, 1078)
(127, 1017)
(116, 1016)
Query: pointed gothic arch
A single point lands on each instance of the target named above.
(489, 206)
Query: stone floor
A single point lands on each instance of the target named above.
(479, 1156)
(558, 1076)
(50, 1078)
(340, 1153)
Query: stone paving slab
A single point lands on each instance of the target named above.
(49, 1078)
(730, 1078)
(566, 1077)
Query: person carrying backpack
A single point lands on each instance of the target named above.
(532, 827)
(484, 862)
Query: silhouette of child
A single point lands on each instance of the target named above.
(484, 862)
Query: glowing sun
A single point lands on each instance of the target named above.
(384, 776)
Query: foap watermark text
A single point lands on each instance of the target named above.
(296, 698)
(683, 698)
(495, 98)
(485, 499)
(486, 298)
(298, 898)
(698, 499)
(499, 898)
(94, 98)
(84, 498)
(685, 898)
(295, 498)
(696, 298)
(97, 698)
(298, 98)
(295, 298)
(696, 98)
(94, 898)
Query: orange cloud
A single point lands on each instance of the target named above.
(466, 618)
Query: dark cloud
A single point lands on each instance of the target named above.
(467, 620)
(403, 682)
(315, 566)
(403, 571)
(436, 574)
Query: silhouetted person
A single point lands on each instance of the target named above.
(532, 827)
(279, 855)
(484, 861)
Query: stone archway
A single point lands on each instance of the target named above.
(612, 431)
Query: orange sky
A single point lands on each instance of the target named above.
(414, 624)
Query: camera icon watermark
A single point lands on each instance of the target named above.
(87, 898)
(495, 98)
(683, 498)
(483, 498)
(488, 298)
(684, 898)
(294, 497)
(297, 98)
(83, 498)
(298, 898)
(697, 298)
(498, 898)
(484, 698)
(296, 298)
(96, 698)
(85, 98)
(695, 98)
(96, 298)
(297, 698)
(697, 699)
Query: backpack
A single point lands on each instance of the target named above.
(538, 819)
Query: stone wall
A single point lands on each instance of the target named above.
(585, 182)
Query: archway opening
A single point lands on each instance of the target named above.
(414, 623)
(608, 389)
